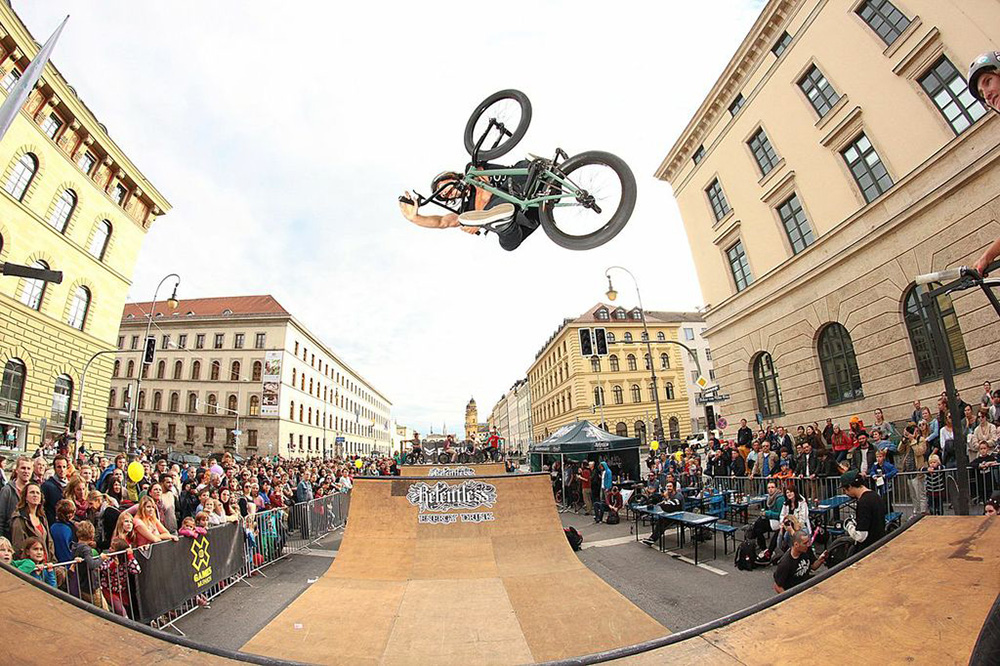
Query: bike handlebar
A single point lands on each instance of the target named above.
(946, 275)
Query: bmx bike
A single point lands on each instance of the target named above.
(481, 455)
(582, 201)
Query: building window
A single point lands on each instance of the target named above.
(182, 341)
(699, 154)
(883, 17)
(254, 405)
(595, 364)
(818, 90)
(636, 393)
(189, 434)
(739, 266)
(62, 394)
(10, 79)
(238, 341)
(199, 341)
(652, 393)
(765, 380)
(867, 168)
(646, 359)
(234, 371)
(763, 152)
(618, 395)
(664, 362)
(256, 371)
(86, 162)
(918, 326)
(219, 338)
(782, 44)
(950, 93)
(141, 402)
(118, 195)
(628, 336)
(161, 369)
(51, 125)
(620, 315)
(21, 176)
(718, 200)
(209, 435)
(192, 402)
(99, 243)
(79, 307)
(613, 362)
(800, 234)
(196, 370)
(251, 439)
(598, 396)
(260, 340)
(33, 292)
(175, 402)
(63, 210)
(736, 105)
(157, 401)
(233, 404)
(178, 369)
(12, 389)
(630, 359)
(215, 371)
(668, 390)
(154, 430)
(134, 344)
(601, 315)
(117, 368)
(130, 369)
(213, 404)
(840, 367)
(165, 342)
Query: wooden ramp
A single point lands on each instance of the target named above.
(457, 470)
(920, 599)
(404, 590)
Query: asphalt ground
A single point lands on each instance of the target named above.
(671, 589)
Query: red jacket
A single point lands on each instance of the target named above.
(841, 441)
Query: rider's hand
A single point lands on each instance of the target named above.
(409, 210)
(470, 230)
(981, 265)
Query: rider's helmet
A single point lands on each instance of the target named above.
(987, 62)
(450, 193)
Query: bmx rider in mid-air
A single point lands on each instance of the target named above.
(984, 84)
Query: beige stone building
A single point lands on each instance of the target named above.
(72, 201)
(839, 155)
(615, 390)
(244, 356)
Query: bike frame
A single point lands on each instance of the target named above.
(475, 178)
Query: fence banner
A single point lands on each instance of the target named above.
(177, 571)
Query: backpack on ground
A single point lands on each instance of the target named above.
(613, 518)
(574, 537)
(746, 554)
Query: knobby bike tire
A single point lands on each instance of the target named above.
(444, 458)
(505, 146)
(410, 459)
(617, 221)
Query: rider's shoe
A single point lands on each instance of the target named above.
(480, 218)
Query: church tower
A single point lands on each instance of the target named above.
(471, 419)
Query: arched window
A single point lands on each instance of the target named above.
(611, 337)
(117, 369)
(291, 411)
(157, 401)
(309, 416)
(175, 402)
(125, 404)
(621, 429)
(293, 377)
(765, 381)
(130, 369)
(618, 395)
(840, 367)
(254, 405)
(234, 371)
(178, 369)
(302, 414)
(233, 403)
(213, 404)
(675, 427)
(628, 336)
(647, 360)
(142, 400)
(63, 210)
(664, 361)
(598, 395)
(668, 390)
(99, 243)
(12, 389)
(256, 371)
(144, 370)
(33, 292)
(640, 431)
(918, 326)
(652, 393)
(644, 335)
(613, 360)
(161, 369)
(310, 386)
(215, 371)
(636, 393)
(196, 370)
(62, 395)
(595, 364)
(660, 336)
(630, 359)
(192, 402)
(21, 176)
(112, 398)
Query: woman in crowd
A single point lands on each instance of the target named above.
(263, 498)
(29, 521)
(841, 443)
(946, 441)
(985, 432)
(794, 505)
(928, 428)
(886, 430)
(225, 507)
(147, 524)
(102, 512)
(116, 492)
(984, 468)
(76, 490)
(911, 458)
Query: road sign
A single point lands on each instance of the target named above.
(237, 432)
(701, 382)
(339, 440)
(721, 422)
(706, 399)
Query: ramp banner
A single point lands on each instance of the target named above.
(177, 571)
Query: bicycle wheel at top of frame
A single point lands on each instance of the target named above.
(509, 107)
(593, 176)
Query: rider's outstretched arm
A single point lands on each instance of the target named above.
(447, 221)
(992, 252)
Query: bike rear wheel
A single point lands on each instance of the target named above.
(512, 109)
(598, 197)
(410, 459)
(444, 458)
(464, 457)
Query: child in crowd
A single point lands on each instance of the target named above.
(190, 529)
(201, 520)
(34, 563)
(115, 571)
(935, 485)
(88, 571)
(6, 551)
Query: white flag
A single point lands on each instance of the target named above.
(19, 92)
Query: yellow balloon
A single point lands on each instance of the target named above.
(135, 471)
(358, 463)
(654, 445)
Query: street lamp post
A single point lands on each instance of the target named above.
(612, 295)
(172, 304)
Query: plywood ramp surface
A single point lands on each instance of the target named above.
(479, 469)
(503, 591)
(920, 599)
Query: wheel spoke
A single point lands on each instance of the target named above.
(599, 181)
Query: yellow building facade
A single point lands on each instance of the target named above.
(838, 156)
(71, 201)
(615, 390)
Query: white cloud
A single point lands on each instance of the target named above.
(283, 132)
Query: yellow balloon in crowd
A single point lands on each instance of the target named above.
(654, 445)
(358, 463)
(135, 471)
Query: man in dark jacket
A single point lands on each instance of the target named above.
(863, 456)
(744, 436)
(52, 488)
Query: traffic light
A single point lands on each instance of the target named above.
(710, 417)
(150, 351)
(586, 344)
(601, 341)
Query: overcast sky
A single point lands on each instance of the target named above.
(282, 134)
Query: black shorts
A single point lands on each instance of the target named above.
(524, 222)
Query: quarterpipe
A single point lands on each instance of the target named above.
(919, 598)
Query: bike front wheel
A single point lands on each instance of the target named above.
(497, 124)
(597, 196)
(444, 458)
(410, 459)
